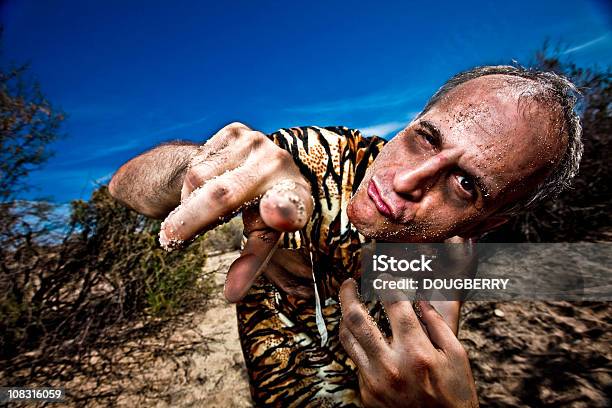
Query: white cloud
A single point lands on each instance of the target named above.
(133, 142)
(180, 125)
(382, 129)
(366, 102)
(586, 44)
(387, 128)
(102, 180)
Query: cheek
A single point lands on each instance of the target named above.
(439, 221)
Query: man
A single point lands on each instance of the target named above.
(490, 142)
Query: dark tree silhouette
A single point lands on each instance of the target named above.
(581, 213)
(28, 123)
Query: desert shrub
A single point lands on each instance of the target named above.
(93, 282)
(226, 237)
(69, 289)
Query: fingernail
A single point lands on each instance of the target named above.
(282, 208)
(163, 239)
(169, 244)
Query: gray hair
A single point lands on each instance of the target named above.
(550, 88)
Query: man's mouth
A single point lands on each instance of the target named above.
(380, 204)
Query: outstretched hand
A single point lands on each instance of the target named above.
(423, 365)
(234, 169)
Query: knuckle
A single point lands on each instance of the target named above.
(222, 192)
(393, 376)
(236, 125)
(283, 154)
(199, 173)
(228, 190)
(255, 140)
(422, 364)
(235, 129)
(457, 350)
(279, 157)
(406, 321)
(278, 153)
(193, 178)
(354, 317)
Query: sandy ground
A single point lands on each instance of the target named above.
(522, 354)
(221, 379)
(216, 378)
(196, 362)
(540, 353)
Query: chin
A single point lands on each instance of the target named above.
(361, 216)
(366, 219)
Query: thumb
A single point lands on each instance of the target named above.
(258, 250)
(286, 206)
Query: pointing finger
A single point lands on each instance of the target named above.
(210, 204)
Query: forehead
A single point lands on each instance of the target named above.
(506, 138)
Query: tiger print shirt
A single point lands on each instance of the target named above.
(291, 347)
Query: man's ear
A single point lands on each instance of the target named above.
(486, 225)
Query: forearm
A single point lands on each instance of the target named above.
(151, 183)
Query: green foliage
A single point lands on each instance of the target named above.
(125, 243)
(63, 298)
(226, 237)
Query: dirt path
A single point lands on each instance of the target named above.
(198, 363)
(217, 378)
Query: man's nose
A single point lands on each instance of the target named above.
(414, 181)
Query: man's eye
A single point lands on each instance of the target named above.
(467, 184)
(428, 138)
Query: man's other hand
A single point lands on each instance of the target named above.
(234, 169)
(423, 365)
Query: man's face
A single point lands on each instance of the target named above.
(478, 149)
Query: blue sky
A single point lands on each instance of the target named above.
(131, 74)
